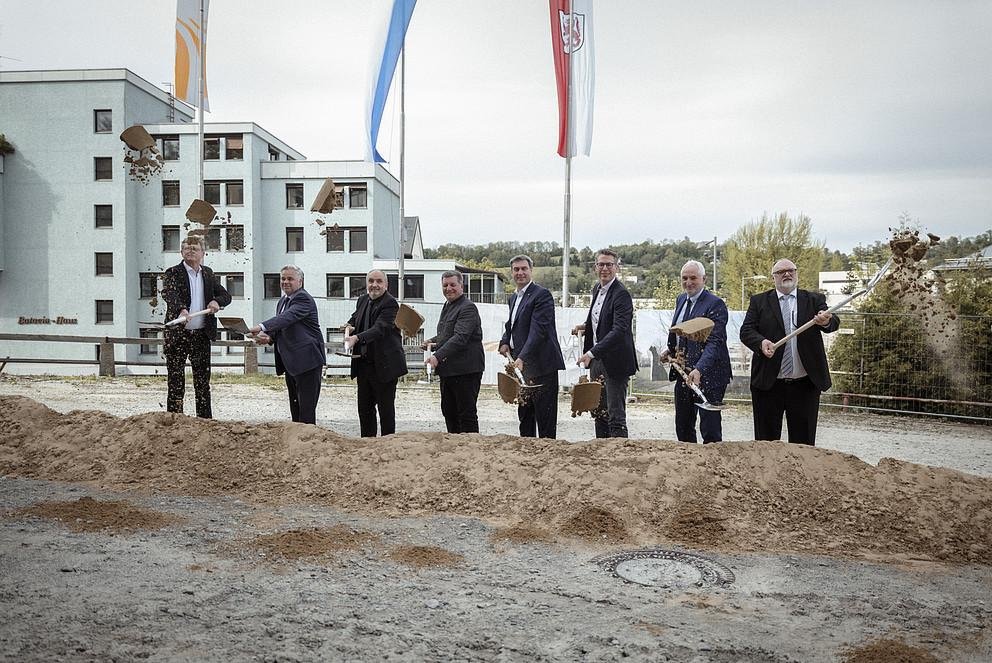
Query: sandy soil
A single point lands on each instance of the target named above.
(160, 536)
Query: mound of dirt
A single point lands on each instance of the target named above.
(314, 543)
(89, 515)
(421, 557)
(735, 496)
(889, 651)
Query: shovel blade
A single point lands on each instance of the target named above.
(710, 407)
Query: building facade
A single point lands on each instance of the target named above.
(84, 237)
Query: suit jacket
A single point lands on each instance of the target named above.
(296, 335)
(458, 343)
(712, 358)
(764, 320)
(379, 340)
(535, 338)
(175, 292)
(614, 334)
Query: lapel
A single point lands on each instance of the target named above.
(523, 303)
(680, 303)
(184, 284)
(777, 307)
(603, 310)
(595, 294)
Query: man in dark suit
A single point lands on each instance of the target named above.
(707, 364)
(458, 357)
(378, 359)
(299, 344)
(608, 345)
(791, 378)
(188, 287)
(531, 340)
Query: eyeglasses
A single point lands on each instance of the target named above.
(783, 272)
(604, 265)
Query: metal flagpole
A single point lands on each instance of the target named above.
(402, 248)
(203, 74)
(568, 165)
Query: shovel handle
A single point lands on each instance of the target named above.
(186, 318)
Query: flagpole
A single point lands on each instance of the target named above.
(568, 167)
(203, 74)
(400, 278)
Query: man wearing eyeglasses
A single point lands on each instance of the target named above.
(789, 379)
(608, 345)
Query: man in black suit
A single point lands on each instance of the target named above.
(707, 364)
(378, 358)
(531, 340)
(188, 287)
(458, 357)
(608, 345)
(299, 344)
(791, 378)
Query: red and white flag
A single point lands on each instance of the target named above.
(571, 40)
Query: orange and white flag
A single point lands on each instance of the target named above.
(190, 52)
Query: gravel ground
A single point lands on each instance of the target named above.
(202, 590)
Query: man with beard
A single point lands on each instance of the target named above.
(377, 359)
(791, 378)
(458, 357)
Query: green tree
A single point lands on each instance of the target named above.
(755, 247)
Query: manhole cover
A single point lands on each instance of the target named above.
(654, 567)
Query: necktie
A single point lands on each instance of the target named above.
(282, 304)
(686, 312)
(787, 360)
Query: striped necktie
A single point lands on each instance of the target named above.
(788, 362)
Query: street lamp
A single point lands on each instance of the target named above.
(703, 245)
(756, 277)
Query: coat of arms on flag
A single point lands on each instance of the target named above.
(576, 35)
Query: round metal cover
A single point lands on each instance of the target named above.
(655, 567)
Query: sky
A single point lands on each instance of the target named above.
(707, 114)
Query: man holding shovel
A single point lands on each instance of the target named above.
(458, 358)
(790, 378)
(191, 286)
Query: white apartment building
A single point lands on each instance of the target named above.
(83, 242)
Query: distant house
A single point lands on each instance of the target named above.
(977, 260)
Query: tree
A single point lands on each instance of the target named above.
(755, 247)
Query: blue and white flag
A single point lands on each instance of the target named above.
(382, 70)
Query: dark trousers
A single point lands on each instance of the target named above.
(798, 399)
(459, 395)
(611, 415)
(539, 412)
(375, 395)
(304, 390)
(194, 344)
(710, 423)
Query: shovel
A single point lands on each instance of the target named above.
(428, 353)
(347, 352)
(178, 321)
(705, 404)
(868, 288)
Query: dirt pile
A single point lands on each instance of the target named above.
(750, 496)
(89, 515)
(889, 651)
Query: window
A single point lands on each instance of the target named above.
(358, 196)
(234, 336)
(413, 285)
(147, 285)
(104, 264)
(170, 148)
(270, 284)
(356, 286)
(294, 196)
(103, 216)
(104, 311)
(235, 238)
(235, 193)
(273, 154)
(335, 239)
(234, 147)
(339, 197)
(103, 121)
(170, 238)
(294, 240)
(234, 284)
(170, 193)
(147, 348)
(335, 286)
(211, 192)
(358, 239)
(212, 238)
(103, 168)
(211, 149)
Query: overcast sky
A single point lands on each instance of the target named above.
(708, 114)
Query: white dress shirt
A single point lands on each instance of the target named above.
(196, 302)
(513, 313)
